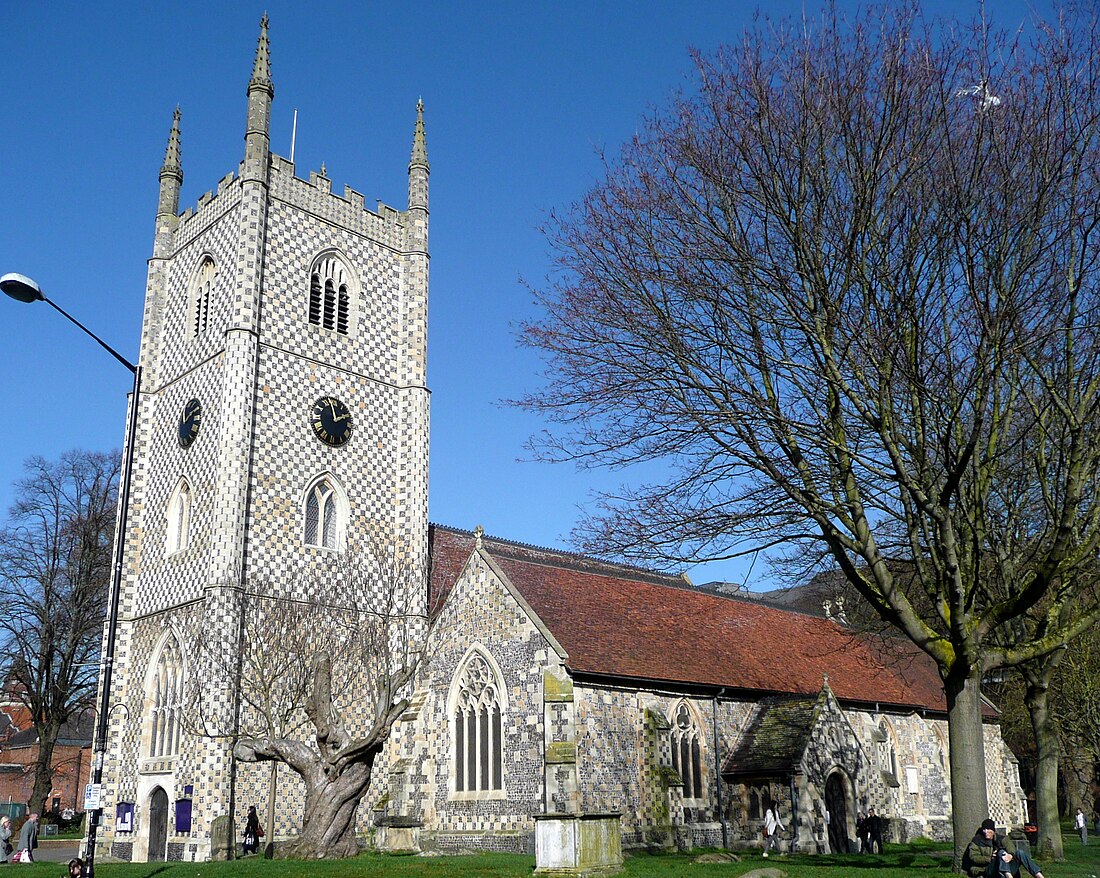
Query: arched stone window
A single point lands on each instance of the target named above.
(477, 723)
(323, 514)
(179, 518)
(757, 803)
(888, 751)
(164, 692)
(687, 751)
(942, 751)
(329, 293)
(200, 297)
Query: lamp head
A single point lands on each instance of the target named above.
(21, 287)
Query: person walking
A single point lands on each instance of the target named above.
(28, 840)
(6, 847)
(772, 827)
(861, 832)
(252, 831)
(1081, 825)
(873, 825)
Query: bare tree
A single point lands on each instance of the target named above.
(325, 668)
(1075, 703)
(845, 291)
(55, 563)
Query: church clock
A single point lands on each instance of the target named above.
(331, 421)
(190, 420)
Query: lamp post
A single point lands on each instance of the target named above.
(23, 289)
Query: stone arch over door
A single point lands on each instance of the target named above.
(838, 802)
(158, 825)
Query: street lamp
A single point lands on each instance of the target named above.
(23, 289)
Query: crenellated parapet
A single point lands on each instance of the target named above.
(386, 225)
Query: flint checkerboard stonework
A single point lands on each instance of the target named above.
(257, 369)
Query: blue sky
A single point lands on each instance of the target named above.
(519, 98)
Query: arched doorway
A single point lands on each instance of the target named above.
(158, 825)
(836, 803)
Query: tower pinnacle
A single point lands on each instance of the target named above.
(418, 174)
(420, 144)
(261, 69)
(172, 152)
(171, 180)
(261, 91)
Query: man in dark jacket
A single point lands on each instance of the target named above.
(873, 827)
(989, 855)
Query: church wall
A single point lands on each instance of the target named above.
(625, 765)
(200, 764)
(1007, 803)
(417, 780)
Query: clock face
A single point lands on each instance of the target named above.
(190, 419)
(331, 421)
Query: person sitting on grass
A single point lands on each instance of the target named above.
(990, 856)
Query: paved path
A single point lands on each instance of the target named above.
(59, 851)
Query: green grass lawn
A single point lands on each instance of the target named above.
(928, 861)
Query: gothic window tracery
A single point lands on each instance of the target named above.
(687, 751)
(477, 723)
(179, 518)
(164, 697)
(329, 294)
(322, 515)
(200, 302)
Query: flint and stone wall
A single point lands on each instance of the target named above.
(577, 747)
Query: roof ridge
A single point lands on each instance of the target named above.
(578, 559)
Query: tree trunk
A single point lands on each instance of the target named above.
(1046, 771)
(328, 825)
(969, 799)
(43, 771)
(272, 798)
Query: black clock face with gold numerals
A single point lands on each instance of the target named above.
(190, 420)
(331, 421)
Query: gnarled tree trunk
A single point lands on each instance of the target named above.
(328, 826)
(336, 769)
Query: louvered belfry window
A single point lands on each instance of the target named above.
(329, 296)
(200, 304)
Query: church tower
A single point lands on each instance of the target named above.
(283, 419)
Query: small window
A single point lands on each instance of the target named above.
(687, 754)
(322, 515)
(756, 808)
(478, 748)
(200, 301)
(179, 518)
(329, 296)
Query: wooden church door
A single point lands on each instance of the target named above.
(158, 825)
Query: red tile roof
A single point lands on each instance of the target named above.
(628, 623)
